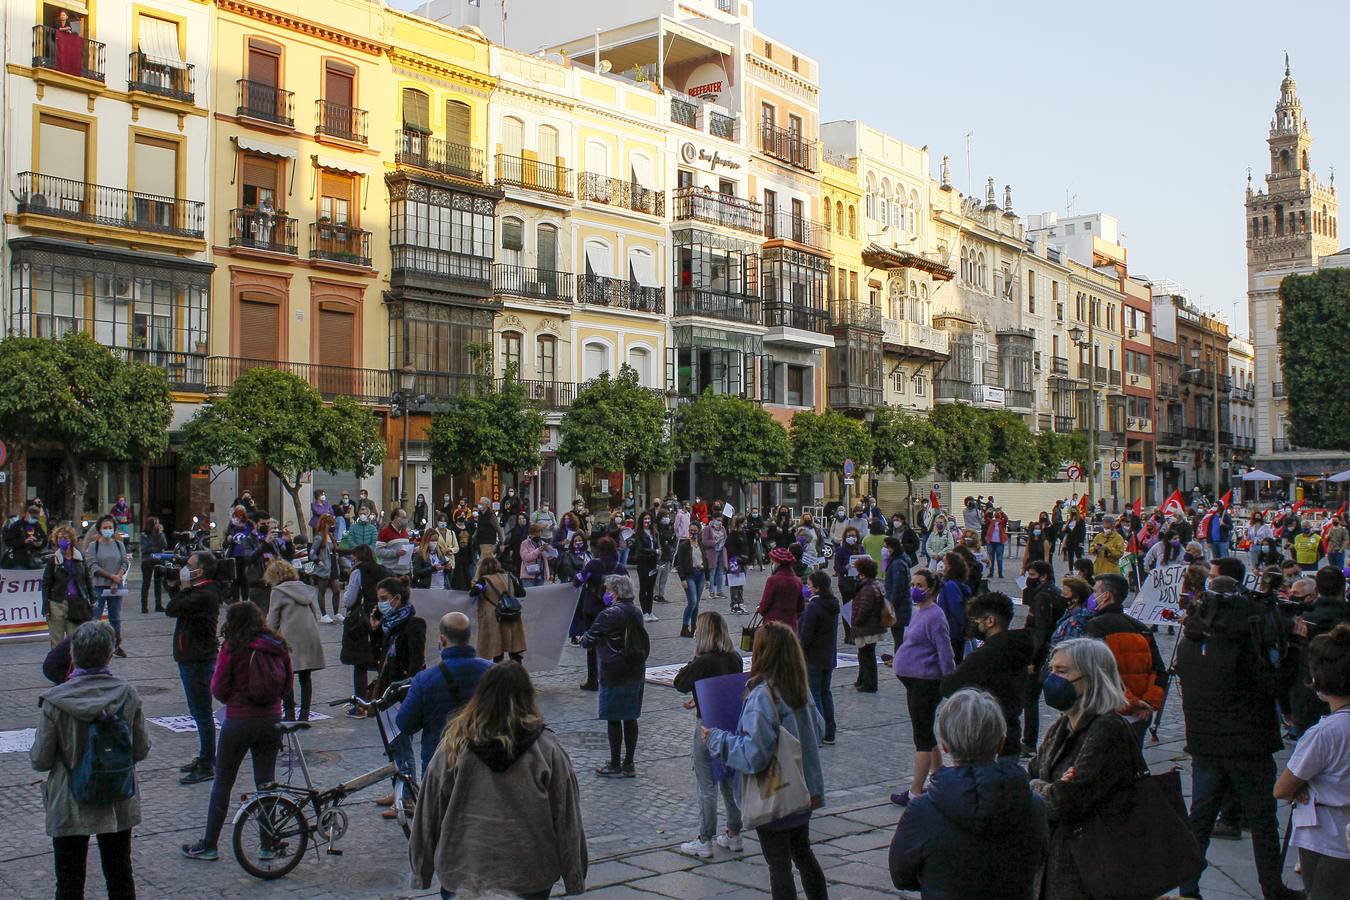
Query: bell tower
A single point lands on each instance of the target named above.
(1290, 140)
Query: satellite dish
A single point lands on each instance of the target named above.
(556, 58)
(606, 65)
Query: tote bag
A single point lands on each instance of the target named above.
(748, 633)
(778, 791)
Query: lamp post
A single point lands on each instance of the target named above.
(1076, 335)
(407, 382)
(1195, 358)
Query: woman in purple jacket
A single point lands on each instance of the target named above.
(921, 661)
(590, 603)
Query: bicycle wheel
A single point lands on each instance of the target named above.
(405, 796)
(271, 834)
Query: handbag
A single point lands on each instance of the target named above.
(748, 632)
(780, 790)
(887, 614)
(1145, 820)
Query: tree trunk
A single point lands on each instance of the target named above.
(77, 484)
(293, 489)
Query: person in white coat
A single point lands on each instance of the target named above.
(294, 616)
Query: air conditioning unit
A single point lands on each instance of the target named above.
(1134, 379)
(1132, 333)
(117, 288)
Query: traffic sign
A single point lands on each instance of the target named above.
(848, 482)
(1115, 465)
(1074, 473)
(848, 468)
(4, 453)
(1115, 475)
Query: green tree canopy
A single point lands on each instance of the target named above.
(964, 440)
(822, 441)
(1314, 332)
(616, 423)
(1012, 447)
(1054, 449)
(274, 417)
(494, 424)
(903, 443)
(84, 401)
(734, 437)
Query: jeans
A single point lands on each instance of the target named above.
(717, 575)
(996, 559)
(819, 680)
(402, 749)
(623, 555)
(709, 789)
(150, 576)
(113, 604)
(71, 855)
(646, 586)
(1336, 560)
(196, 678)
(662, 577)
(1219, 549)
(783, 848)
(256, 736)
(306, 695)
(692, 591)
(1253, 778)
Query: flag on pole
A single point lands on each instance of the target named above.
(1082, 506)
(1174, 504)
(1139, 507)
(933, 499)
(1227, 498)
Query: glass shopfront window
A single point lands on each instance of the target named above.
(436, 339)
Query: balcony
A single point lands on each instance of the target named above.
(624, 194)
(1277, 389)
(67, 53)
(551, 395)
(801, 316)
(1205, 379)
(533, 175)
(1114, 378)
(170, 79)
(682, 112)
(789, 147)
(432, 267)
(1244, 443)
(346, 123)
(851, 313)
(712, 304)
(722, 126)
(266, 103)
(1137, 423)
(620, 293)
(97, 204)
(915, 339)
(1060, 366)
(363, 385)
(257, 229)
(952, 389)
(1113, 438)
(186, 371)
(1016, 399)
(1244, 393)
(854, 397)
(1168, 390)
(1170, 436)
(531, 283)
(416, 150)
(782, 224)
(1283, 444)
(1064, 424)
(339, 243)
(727, 210)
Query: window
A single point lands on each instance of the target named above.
(884, 201)
(826, 209)
(595, 361)
(1087, 226)
(839, 216)
(264, 64)
(920, 385)
(898, 380)
(458, 123)
(684, 179)
(726, 187)
(513, 136)
(436, 338)
(852, 221)
(511, 350)
(156, 180)
(339, 87)
(597, 158)
(640, 172)
(441, 232)
(337, 336)
(598, 259)
(640, 358)
(767, 116)
(157, 40)
(62, 146)
(416, 111)
(259, 182)
(1031, 292)
(546, 247)
(513, 234)
(335, 198)
(546, 357)
(642, 267)
(796, 385)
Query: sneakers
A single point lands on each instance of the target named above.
(201, 773)
(339, 617)
(686, 631)
(119, 652)
(649, 617)
(326, 619)
(200, 851)
(900, 799)
(728, 841)
(590, 686)
(196, 761)
(1226, 831)
(609, 770)
(697, 848)
(1028, 749)
(828, 742)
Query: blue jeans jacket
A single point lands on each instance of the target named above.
(751, 748)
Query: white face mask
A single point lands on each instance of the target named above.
(185, 575)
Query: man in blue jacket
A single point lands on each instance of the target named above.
(438, 692)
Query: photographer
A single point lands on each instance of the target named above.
(273, 543)
(194, 605)
(25, 539)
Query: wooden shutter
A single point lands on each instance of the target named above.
(335, 197)
(337, 87)
(458, 124)
(260, 172)
(258, 327)
(63, 148)
(264, 67)
(416, 111)
(337, 329)
(156, 166)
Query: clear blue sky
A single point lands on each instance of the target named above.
(1150, 111)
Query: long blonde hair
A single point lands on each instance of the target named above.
(778, 660)
(710, 634)
(502, 706)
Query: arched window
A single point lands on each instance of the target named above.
(980, 277)
(852, 221)
(870, 201)
(513, 239)
(513, 136)
(546, 357)
(598, 260)
(640, 171)
(642, 267)
(885, 203)
(597, 158)
(595, 360)
(416, 111)
(458, 123)
(640, 358)
(913, 226)
(546, 254)
(827, 209)
(839, 216)
(511, 343)
(965, 265)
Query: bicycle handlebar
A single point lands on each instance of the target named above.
(390, 694)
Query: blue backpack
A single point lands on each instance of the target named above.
(106, 770)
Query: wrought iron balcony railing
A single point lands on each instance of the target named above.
(100, 204)
(266, 102)
(534, 175)
(68, 53)
(163, 77)
(715, 208)
(257, 229)
(620, 293)
(616, 192)
(532, 283)
(346, 123)
(422, 151)
(339, 243)
(790, 147)
(722, 305)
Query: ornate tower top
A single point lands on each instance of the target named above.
(1289, 110)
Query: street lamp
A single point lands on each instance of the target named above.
(407, 382)
(1076, 335)
(1195, 358)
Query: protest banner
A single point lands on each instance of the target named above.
(719, 706)
(21, 604)
(547, 611)
(666, 674)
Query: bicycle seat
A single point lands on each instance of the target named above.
(288, 727)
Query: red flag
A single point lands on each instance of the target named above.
(1139, 507)
(1227, 498)
(1174, 503)
(1082, 506)
(934, 500)
(1297, 506)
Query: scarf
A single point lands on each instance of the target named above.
(395, 619)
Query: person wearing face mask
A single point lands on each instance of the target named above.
(691, 564)
(399, 638)
(999, 665)
(496, 638)
(573, 557)
(108, 563)
(364, 503)
(1107, 548)
(428, 562)
(1166, 551)
(363, 532)
(272, 543)
(907, 536)
(869, 622)
(359, 602)
(1141, 667)
(239, 539)
(940, 541)
(1088, 755)
(511, 505)
(1046, 604)
(621, 673)
(536, 558)
(67, 593)
(25, 539)
(1076, 592)
(488, 534)
(713, 539)
(1075, 536)
(194, 605)
(319, 507)
(543, 516)
(153, 540)
(1037, 548)
(669, 541)
(838, 523)
(421, 513)
(818, 631)
(922, 660)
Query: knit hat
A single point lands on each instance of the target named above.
(782, 555)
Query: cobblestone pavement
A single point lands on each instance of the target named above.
(633, 826)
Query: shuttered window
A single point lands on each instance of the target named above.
(458, 123)
(416, 111)
(337, 329)
(338, 85)
(513, 234)
(264, 65)
(259, 323)
(156, 167)
(62, 148)
(260, 181)
(158, 39)
(335, 197)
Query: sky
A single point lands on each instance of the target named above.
(1149, 111)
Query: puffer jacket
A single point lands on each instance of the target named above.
(1141, 666)
(65, 713)
(868, 604)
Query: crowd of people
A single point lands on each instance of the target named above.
(990, 805)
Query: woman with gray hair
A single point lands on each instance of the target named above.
(979, 824)
(621, 643)
(1088, 754)
(67, 711)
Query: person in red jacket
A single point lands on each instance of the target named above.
(783, 600)
(700, 510)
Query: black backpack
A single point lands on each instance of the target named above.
(637, 645)
(1241, 631)
(106, 770)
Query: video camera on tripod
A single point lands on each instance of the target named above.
(196, 539)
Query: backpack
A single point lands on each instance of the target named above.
(637, 645)
(1241, 631)
(106, 770)
(268, 677)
